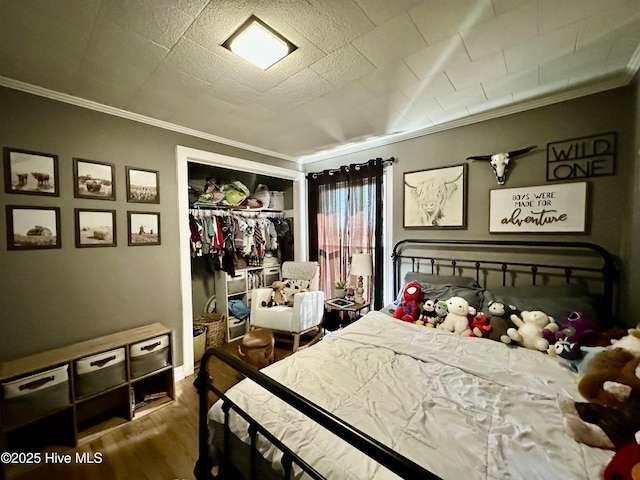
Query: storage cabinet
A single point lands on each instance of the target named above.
(68, 396)
(231, 289)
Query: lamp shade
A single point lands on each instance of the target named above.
(361, 264)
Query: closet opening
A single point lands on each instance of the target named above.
(198, 276)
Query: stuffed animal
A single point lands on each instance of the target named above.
(457, 320)
(428, 311)
(573, 329)
(530, 327)
(603, 427)
(625, 464)
(409, 308)
(610, 377)
(500, 321)
(277, 295)
(479, 325)
(440, 309)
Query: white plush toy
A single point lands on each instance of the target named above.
(457, 320)
(530, 325)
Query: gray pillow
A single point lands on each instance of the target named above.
(557, 301)
(444, 291)
(454, 280)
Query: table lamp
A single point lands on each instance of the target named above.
(361, 265)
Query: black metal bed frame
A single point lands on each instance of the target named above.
(397, 463)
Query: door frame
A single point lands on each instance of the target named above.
(186, 155)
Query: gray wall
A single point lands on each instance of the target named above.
(610, 205)
(50, 298)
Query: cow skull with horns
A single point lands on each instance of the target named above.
(500, 161)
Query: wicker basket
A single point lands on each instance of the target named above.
(216, 325)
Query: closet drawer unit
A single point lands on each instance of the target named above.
(271, 274)
(237, 283)
(100, 372)
(34, 396)
(237, 328)
(150, 355)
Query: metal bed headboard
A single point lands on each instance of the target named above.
(473, 255)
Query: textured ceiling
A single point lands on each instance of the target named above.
(363, 68)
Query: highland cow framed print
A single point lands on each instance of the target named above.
(30, 173)
(32, 228)
(435, 198)
(142, 185)
(93, 179)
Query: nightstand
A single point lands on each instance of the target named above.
(337, 316)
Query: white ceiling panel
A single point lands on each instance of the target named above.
(438, 20)
(395, 38)
(363, 68)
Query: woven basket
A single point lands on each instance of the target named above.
(216, 325)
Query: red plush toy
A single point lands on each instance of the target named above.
(625, 464)
(479, 325)
(409, 309)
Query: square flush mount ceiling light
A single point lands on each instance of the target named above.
(258, 43)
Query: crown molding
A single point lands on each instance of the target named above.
(136, 117)
(608, 84)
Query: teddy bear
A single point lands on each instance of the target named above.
(457, 320)
(479, 325)
(530, 325)
(409, 308)
(612, 373)
(277, 295)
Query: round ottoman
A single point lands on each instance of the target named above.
(257, 347)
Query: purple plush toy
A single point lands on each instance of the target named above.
(576, 326)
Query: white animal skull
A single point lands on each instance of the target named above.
(500, 161)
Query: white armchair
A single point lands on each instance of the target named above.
(307, 312)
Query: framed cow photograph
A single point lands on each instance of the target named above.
(95, 228)
(143, 228)
(435, 198)
(30, 173)
(32, 228)
(142, 185)
(93, 179)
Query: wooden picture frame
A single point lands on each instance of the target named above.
(33, 227)
(30, 173)
(551, 208)
(143, 228)
(95, 228)
(95, 180)
(435, 198)
(143, 186)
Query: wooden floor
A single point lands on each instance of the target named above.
(160, 445)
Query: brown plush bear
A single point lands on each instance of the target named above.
(277, 295)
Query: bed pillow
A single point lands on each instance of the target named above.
(442, 287)
(557, 301)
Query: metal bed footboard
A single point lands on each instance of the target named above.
(379, 452)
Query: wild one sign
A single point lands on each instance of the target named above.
(583, 157)
(540, 209)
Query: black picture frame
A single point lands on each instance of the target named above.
(95, 228)
(33, 227)
(435, 198)
(94, 180)
(143, 228)
(27, 172)
(143, 185)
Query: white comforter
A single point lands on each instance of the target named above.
(464, 408)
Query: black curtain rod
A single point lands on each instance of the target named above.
(387, 161)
